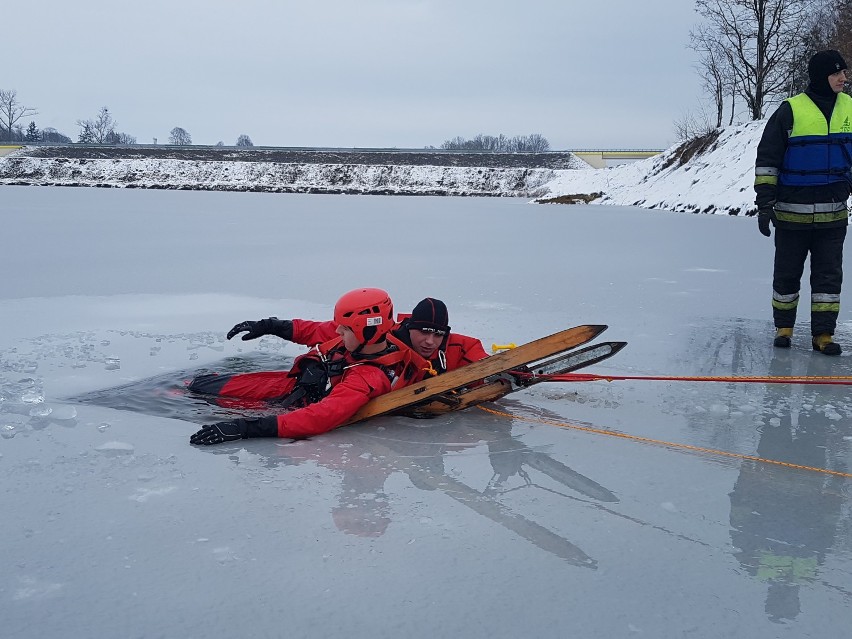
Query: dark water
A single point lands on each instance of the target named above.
(166, 395)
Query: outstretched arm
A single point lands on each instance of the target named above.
(259, 328)
(358, 386)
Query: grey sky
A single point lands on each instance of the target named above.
(384, 73)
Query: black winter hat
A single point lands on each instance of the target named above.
(430, 313)
(824, 64)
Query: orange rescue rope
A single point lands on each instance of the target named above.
(660, 442)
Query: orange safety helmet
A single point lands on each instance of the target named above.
(368, 312)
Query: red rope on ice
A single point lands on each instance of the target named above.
(587, 377)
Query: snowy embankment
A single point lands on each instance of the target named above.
(274, 177)
(713, 174)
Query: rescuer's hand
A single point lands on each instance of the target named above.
(235, 429)
(764, 217)
(268, 326)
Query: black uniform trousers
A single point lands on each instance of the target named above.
(791, 250)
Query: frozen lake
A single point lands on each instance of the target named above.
(530, 519)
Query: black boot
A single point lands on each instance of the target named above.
(825, 345)
(783, 337)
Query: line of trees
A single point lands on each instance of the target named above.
(102, 129)
(533, 143)
(754, 53)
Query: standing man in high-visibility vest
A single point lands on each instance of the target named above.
(802, 181)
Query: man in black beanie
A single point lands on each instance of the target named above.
(427, 332)
(802, 181)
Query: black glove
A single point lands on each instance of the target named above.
(764, 216)
(235, 429)
(268, 326)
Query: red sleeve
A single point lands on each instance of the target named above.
(358, 386)
(312, 333)
(462, 350)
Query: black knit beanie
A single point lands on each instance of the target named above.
(430, 313)
(822, 65)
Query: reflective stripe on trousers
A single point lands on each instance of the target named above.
(825, 302)
(821, 213)
(784, 302)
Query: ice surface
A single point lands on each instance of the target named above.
(530, 520)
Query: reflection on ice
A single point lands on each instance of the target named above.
(421, 451)
(783, 520)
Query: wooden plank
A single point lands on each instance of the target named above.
(493, 390)
(507, 360)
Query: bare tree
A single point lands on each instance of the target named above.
(101, 130)
(480, 142)
(830, 28)
(692, 125)
(842, 21)
(123, 138)
(457, 142)
(179, 136)
(817, 32)
(761, 39)
(714, 67)
(534, 143)
(244, 140)
(11, 110)
(497, 143)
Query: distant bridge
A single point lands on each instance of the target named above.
(7, 149)
(598, 157)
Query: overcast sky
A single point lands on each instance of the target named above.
(358, 73)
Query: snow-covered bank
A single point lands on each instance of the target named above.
(710, 175)
(274, 177)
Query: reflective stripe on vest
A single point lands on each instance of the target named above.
(818, 152)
